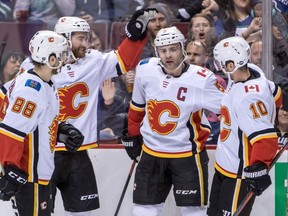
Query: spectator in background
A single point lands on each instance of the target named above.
(161, 20)
(95, 41)
(257, 53)
(281, 125)
(202, 28)
(10, 65)
(47, 11)
(116, 93)
(196, 53)
(6, 7)
(247, 25)
(280, 57)
(106, 10)
(94, 11)
(224, 25)
(123, 9)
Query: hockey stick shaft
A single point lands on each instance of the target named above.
(13, 199)
(251, 193)
(125, 187)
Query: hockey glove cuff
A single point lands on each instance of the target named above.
(257, 178)
(12, 182)
(136, 28)
(132, 144)
(70, 136)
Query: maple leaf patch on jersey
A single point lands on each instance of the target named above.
(251, 88)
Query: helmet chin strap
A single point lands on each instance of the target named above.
(55, 67)
(73, 56)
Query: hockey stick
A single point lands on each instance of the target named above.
(125, 187)
(13, 199)
(251, 193)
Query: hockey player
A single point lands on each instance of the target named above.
(168, 97)
(78, 88)
(28, 131)
(247, 141)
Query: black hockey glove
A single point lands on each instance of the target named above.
(185, 13)
(70, 136)
(136, 28)
(12, 182)
(257, 178)
(133, 145)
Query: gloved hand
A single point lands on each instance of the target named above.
(257, 177)
(136, 28)
(12, 182)
(192, 8)
(70, 136)
(133, 145)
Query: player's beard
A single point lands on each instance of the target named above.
(79, 52)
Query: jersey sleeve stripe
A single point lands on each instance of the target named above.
(3, 90)
(120, 65)
(11, 132)
(277, 94)
(264, 134)
(137, 107)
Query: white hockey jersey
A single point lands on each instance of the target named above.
(247, 133)
(78, 88)
(171, 108)
(28, 130)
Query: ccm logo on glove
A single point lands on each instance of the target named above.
(18, 178)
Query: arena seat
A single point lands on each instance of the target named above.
(117, 34)
(18, 35)
(184, 27)
(102, 30)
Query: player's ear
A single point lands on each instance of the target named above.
(230, 66)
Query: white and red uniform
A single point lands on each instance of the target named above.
(28, 130)
(78, 86)
(247, 126)
(171, 108)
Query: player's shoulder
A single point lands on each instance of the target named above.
(148, 62)
(29, 82)
(253, 89)
(200, 74)
(26, 64)
(147, 65)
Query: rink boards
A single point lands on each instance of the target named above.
(112, 166)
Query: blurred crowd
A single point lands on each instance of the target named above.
(203, 22)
